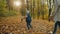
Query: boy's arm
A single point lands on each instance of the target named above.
(55, 10)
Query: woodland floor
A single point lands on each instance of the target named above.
(13, 25)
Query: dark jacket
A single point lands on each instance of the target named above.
(28, 18)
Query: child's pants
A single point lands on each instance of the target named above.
(29, 25)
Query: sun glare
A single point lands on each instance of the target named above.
(17, 3)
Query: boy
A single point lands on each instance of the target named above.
(56, 15)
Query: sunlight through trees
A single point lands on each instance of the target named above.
(38, 8)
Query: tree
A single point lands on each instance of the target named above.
(38, 12)
(3, 10)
